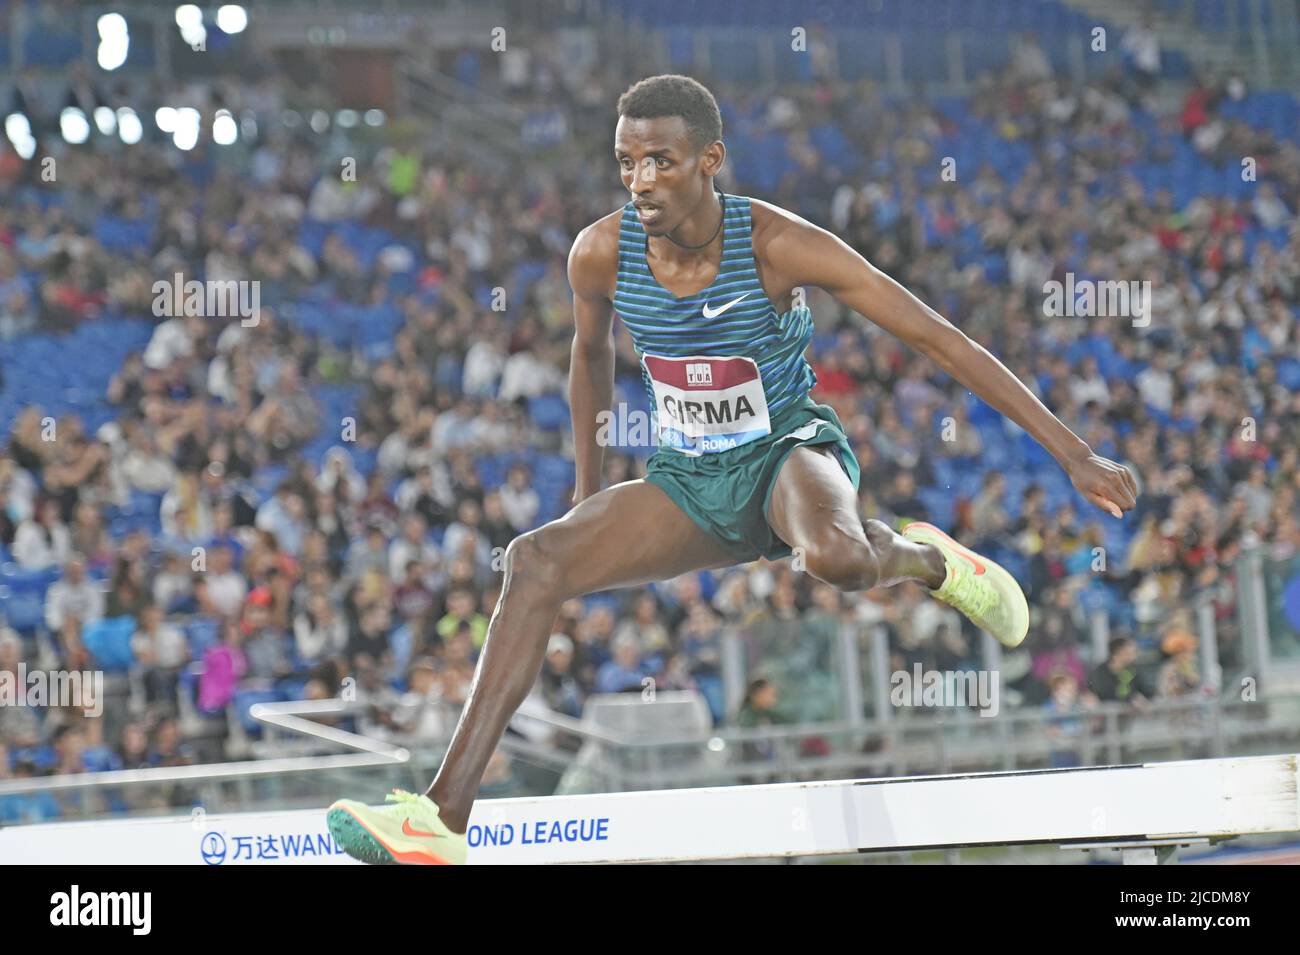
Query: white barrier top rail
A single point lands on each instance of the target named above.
(1136, 803)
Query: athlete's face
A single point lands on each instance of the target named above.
(667, 177)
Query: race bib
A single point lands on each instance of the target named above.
(706, 405)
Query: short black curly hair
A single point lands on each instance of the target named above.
(672, 94)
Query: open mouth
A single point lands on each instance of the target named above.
(648, 213)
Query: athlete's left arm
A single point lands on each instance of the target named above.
(808, 255)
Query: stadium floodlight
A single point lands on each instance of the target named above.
(347, 118)
(232, 18)
(186, 136)
(19, 131)
(224, 129)
(105, 120)
(165, 118)
(74, 126)
(320, 121)
(189, 19)
(129, 127)
(374, 117)
(114, 41)
(17, 127)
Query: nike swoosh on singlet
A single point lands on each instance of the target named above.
(715, 312)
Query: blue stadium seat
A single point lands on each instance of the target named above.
(549, 412)
(100, 759)
(201, 633)
(109, 642)
(22, 596)
(51, 47)
(43, 757)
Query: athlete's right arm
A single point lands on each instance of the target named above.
(593, 270)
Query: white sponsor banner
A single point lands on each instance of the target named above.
(1157, 800)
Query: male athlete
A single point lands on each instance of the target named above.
(748, 464)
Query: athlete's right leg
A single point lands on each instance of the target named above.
(626, 535)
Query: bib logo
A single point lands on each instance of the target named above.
(699, 374)
(102, 908)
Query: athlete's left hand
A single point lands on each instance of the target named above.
(1104, 482)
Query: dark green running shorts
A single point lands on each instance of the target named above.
(726, 493)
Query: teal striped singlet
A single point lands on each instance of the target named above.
(720, 364)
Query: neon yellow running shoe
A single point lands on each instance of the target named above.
(408, 832)
(977, 587)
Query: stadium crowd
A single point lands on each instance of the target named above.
(295, 551)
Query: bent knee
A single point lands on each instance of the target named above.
(533, 560)
(843, 562)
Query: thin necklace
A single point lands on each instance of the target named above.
(722, 202)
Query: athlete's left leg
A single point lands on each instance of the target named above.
(814, 509)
